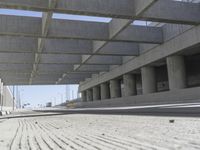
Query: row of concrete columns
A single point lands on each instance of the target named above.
(176, 76)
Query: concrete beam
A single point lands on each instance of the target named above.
(13, 76)
(117, 26)
(140, 6)
(20, 25)
(38, 82)
(60, 59)
(141, 34)
(116, 48)
(94, 68)
(68, 46)
(23, 70)
(15, 67)
(15, 44)
(162, 10)
(46, 20)
(88, 7)
(105, 60)
(78, 75)
(69, 81)
(113, 48)
(46, 78)
(47, 74)
(66, 29)
(173, 12)
(72, 77)
(59, 68)
(18, 44)
(10, 58)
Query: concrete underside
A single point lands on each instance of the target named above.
(47, 50)
(66, 132)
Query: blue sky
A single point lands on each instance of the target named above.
(42, 94)
(55, 15)
(46, 93)
(62, 16)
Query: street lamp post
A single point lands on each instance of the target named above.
(13, 97)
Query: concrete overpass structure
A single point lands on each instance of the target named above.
(117, 62)
(7, 101)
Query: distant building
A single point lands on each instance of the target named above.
(6, 98)
(49, 104)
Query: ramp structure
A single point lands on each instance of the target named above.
(147, 46)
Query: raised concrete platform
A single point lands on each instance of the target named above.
(177, 96)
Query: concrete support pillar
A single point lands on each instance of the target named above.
(105, 91)
(89, 95)
(115, 88)
(176, 72)
(129, 85)
(148, 80)
(96, 93)
(83, 96)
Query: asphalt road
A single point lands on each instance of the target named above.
(185, 110)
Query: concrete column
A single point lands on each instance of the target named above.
(129, 85)
(176, 72)
(148, 80)
(89, 95)
(96, 93)
(115, 88)
(105, 91)
(83, 96)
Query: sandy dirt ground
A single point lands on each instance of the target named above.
(99, 132)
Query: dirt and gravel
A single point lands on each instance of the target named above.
(99, 132)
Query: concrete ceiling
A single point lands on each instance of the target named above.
(45, 50)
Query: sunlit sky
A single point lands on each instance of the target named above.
(45, 93)
(52, 93)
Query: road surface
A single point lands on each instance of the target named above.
(48, 131)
